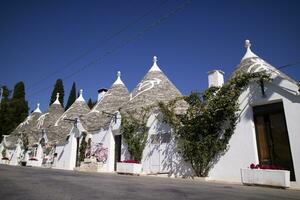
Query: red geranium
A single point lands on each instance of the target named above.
(258, 166)
(131, 161)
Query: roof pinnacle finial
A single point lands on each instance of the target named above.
(80, 98)
(155, 59)
(37, 110)
(247, 44)
(57, 99)
(249, 53)
(154, 66)
(118, 81)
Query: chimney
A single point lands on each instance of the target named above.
(101, 93)
(215, 78)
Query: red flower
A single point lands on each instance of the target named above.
(131, 161)
(32, 158)
(258, 166)
(252, 166)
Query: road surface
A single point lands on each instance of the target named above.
(43, 184)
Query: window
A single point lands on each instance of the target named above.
(160, 138)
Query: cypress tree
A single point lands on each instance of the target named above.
(19, 105)
(72, 96)
(13, 110)
(58, 88)
(5, 113)
(91, 103)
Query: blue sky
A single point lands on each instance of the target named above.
(40, 38)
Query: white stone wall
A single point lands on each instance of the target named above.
(66, 154)
(242, 146)
(162, 157)
(107, 139)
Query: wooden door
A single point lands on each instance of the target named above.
(272, 137)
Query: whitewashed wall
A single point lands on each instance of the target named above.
(242, 146)
(163, 157)
(105, 136)
(66, 154)
(16, 155)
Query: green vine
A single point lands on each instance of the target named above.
(25, 142)
(204, 130)
(83, 147)
(3, 153)
(135, 132)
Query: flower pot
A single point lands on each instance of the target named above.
(129, 168)
(277, 178)
(23, 163)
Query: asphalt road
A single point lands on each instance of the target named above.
(41, 184)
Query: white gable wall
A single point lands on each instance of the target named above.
(107, 139)
(242, 146)
(66, 154)
(163, 157)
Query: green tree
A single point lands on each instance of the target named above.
(135, 132)
(5, 113)
(83, 147)
(13, 110)
(72, 96)
(58, 88)
(204, 131)
(91, 103)
(18, 105)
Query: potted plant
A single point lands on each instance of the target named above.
(135, 133)
(270, 175)
(4, 157)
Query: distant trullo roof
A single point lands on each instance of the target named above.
(46, 121)
(154, 87)
(62, 127)
(99, 117)
(251, 63)
(25, 128)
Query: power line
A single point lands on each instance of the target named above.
(105, 40)
(289, 65)
(156, 23)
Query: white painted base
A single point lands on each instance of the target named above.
(34, 163)
(278, 178)
(129, 168)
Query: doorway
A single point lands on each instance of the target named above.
(272, 137)
(118, 143)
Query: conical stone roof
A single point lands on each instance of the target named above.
(99, 117)
(46, 121)
(63, 126)
(252, 63)
(27, 127)
(154, 87)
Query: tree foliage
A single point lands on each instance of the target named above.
(91, 103)
(83, 147)
(135, 132)
(5, 113)
(58, 88)
(204, 131)
(19, 105)
(13, 110)
(72, 96)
